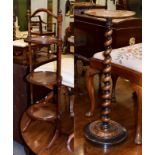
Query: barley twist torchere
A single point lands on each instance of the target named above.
(105, 131)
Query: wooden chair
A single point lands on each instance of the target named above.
(39, 27)
(126, 62)
(43, 109)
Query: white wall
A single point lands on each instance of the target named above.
(111, 5)
(36, 4)
(66, 19)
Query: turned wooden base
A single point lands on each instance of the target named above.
(114, 134)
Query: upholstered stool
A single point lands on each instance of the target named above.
(19, 47)
(127, 63)
(129, 57)
(20, 43)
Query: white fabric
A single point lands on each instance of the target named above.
(21, 34)
(71, 39)
(67, 69)
(100, 2)
(129, 56)
(20, 43)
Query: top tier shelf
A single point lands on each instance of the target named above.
(44, 40)
(102, 13)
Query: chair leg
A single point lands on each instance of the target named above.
(138, 137)
(100, 83)
(114, 81)
(90, 88)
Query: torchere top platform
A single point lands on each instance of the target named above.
(102, 13)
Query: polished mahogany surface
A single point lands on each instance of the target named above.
(47, 79)
(102, 13)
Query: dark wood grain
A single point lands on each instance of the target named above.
(89, 34)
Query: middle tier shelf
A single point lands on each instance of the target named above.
(43, 78)
(42, 111)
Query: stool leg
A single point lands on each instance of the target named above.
(90, 88)
(138, 137)
(100, 83)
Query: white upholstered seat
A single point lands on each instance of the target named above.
(129, 56)
(20, 43)
(21, 34)
(67, 69)
(71, 39)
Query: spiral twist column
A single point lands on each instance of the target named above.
(107, 75)
(106, 132)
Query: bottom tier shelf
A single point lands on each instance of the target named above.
(42, 111)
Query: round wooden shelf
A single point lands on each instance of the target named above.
(44, 40)
(42, 78)
(102, 13)
(42, 111)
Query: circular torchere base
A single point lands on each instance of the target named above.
(113, 135)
